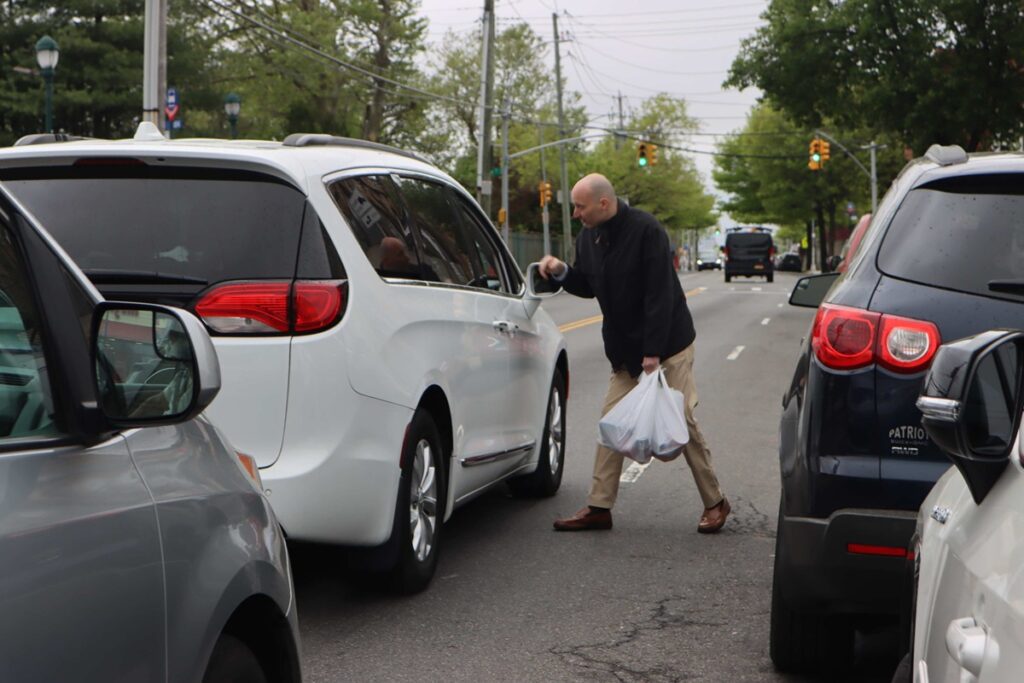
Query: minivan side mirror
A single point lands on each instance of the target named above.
(810, 291)
(538, 288)
(971, 404)
(154, 365)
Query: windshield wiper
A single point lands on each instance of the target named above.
(107, 276)
(1007, 286)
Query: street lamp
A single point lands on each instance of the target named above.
(47, 54)
(232, 107)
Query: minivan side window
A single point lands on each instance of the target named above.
(489, 263)
(26, 403)
(375, 214)
(442, 241)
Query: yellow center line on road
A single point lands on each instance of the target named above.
(575, 325)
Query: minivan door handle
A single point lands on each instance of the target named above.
(966, 643)
(505, 326)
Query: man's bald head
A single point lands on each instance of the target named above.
(594, 200)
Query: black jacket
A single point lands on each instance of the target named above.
(626, 263)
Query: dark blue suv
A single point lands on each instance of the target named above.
(942, 259)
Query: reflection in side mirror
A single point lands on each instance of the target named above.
(810, 291)
(971, 404)
(154, 365)
(537, 286)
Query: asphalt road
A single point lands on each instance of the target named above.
(651, 600)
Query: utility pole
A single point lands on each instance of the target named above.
(161, 83)
(874, 179)
(151, 63)
(545, 214)
(505, 114)
(564, 192)
(483, 157)
(622, 124)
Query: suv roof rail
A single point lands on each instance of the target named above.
(322, 139)
(46, 138)
(946, 155)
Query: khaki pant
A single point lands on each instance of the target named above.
(608, 464)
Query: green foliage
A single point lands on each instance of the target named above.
(931, 71)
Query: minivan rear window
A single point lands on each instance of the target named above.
(166, 225)
(748, 245)
(958, 233)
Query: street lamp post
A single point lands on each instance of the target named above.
(232, 107)
(47, 54)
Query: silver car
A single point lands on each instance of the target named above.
(135, 544)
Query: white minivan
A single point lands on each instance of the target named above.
(968, 554)
(383, 360)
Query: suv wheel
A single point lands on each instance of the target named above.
(232, 661)
(546, 479)
(420, 506)
(800, 641)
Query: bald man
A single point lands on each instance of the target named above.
(624, 260)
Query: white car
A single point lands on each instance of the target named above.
(383, 359)
(968, 620)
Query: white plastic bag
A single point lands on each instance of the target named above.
(648, 421)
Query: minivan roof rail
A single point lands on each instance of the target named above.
(46, 138)
(946, 155)
(322, 139)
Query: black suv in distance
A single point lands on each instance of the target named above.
(750, 252)
(940, 261)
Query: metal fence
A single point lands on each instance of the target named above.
(528, 247)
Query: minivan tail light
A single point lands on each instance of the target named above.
(246, 308)
(272, 307)
(846, 338)
(318, 304)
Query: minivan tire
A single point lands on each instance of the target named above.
(232, 661)
(727, 277)
(421, 492)
(770, 277)
(802, 642)
(547, 478)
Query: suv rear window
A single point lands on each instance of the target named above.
(140, 223)
(748, 245)
(958, 233)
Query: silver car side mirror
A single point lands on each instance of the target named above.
(537, 288)
(154, 365)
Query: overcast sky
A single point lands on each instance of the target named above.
(638, 48)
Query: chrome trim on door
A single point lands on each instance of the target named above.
(939, 409)
(500, 455)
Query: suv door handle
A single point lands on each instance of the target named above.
(505, 326)
(966, 643)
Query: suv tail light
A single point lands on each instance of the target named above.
(273, 307)
(846, 338)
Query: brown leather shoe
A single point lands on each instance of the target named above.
(713, 518)
(585, 520)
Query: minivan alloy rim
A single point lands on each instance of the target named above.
(555, 431)
(423, 501)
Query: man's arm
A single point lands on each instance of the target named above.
(571, 279)
(658, 292)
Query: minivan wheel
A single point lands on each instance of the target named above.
(420, 506)
(232, 661)
(547, 478)
(801, 641)
(727, 277)
(770, 277)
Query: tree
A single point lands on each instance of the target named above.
(932, 71)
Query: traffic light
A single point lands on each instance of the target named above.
(823, 146)
(544, 191)
(814, 155)
(641, 154)
(652, 152)
(501, 216)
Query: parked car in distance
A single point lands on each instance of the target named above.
(967, 553)
(135, 545)
(939, 260)
(789, 262)
(383, 360)
(749, 253)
